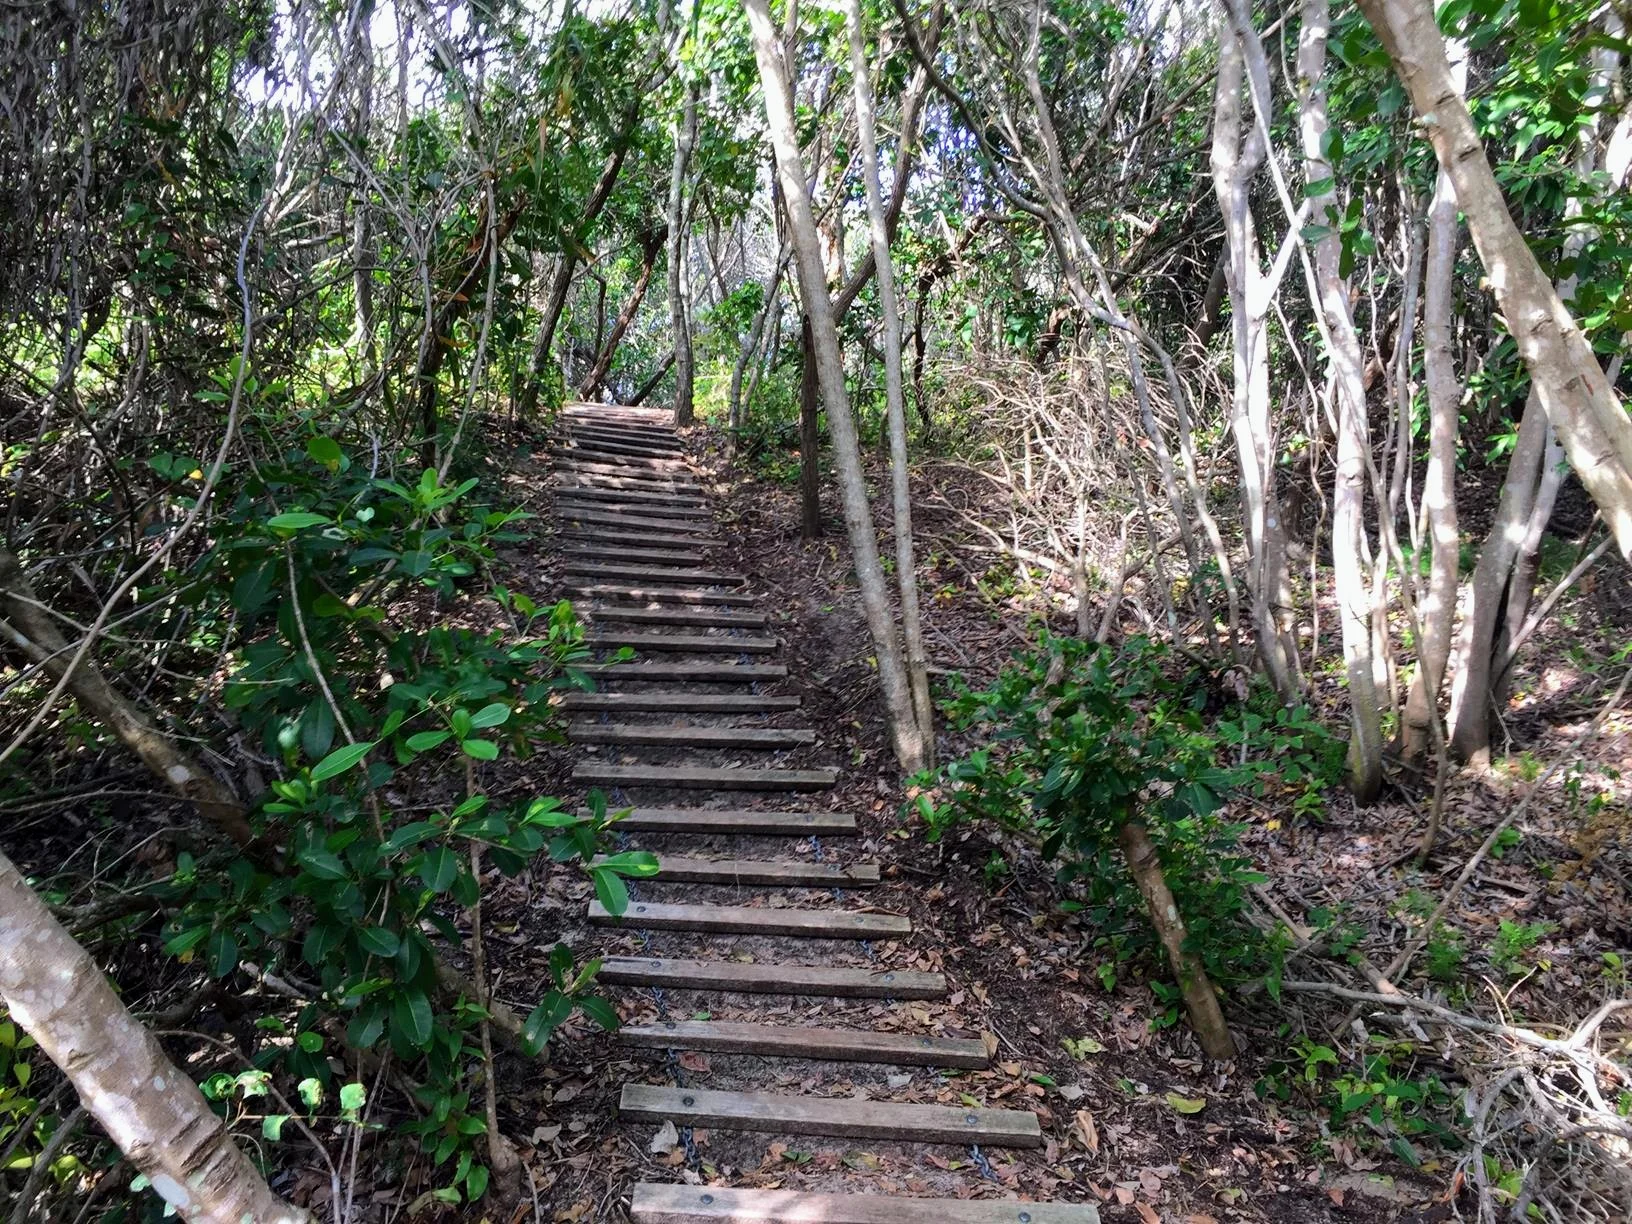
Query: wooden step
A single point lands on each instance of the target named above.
(663, 735)
(653, 643)
(745, 977)
(755, 920)
(568, 502)
(678, 616)
(597, 536)
(618, 455)
(573, 462)
(591, 475)
(741, 823)
(675, 1204)
(793, 1041)
(609, 552)
(702, 673)
(595, 571)
(635, 497)
(662, 448)
(681, 703)
(700, 777)
(839, 1118)
(805, 874)
(661, 594)
(618, 519)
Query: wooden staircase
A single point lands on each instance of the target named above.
(637, 537)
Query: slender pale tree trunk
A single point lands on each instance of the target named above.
(1234, 162)
(153, 1112)
(1348, 386)
(1437, 609)
(910, 749)
(906, 566)
(1581, 406)
(685, 137)
(750, 342)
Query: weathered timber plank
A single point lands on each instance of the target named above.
(600, 536)
(653, 643)
(587, 570)
(843, 1119)
(755, 920)
(769, 874)
(620, 497)
(612, 453)
(567, 502)
(662, 448)
(709, 673)
(679, 616)
(661, 594)
(662, 736)
(588, 476)
(683, 703)
(606, 552)
(663, 1204)
(818, 981)
(699, 777)
(793, 1041)
(758, 824)
(633, 522)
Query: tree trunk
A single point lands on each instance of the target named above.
(910, 750)
(810, 437)
(590, 388)
(906, 566)
(151, 1110)
(1200, 1000)
(544, 340)
(1234, 162)
(685, 136)
(28, 626)
(1437, 609)
(1578, 400)
(1348, 384)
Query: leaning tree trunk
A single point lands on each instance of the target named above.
(152, 1111)
(590, 388)
(28, 626)
(906, 566)
(1344, 366)
(1572, 389)
(685, 136)
(1200, 999)
(910, 749)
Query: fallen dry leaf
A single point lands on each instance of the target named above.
(1087, 1131)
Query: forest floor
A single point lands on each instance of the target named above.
(1135, 1118)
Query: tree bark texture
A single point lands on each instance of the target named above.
(910, 750)
(906, 566)
(685, 137)
(152, 1111)
(1348, 387)
(596, 379)
(1580, 404)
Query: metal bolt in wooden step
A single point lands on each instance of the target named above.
(793, 1041)
(663, 1204)
(755, 920)
(840, 1119)
(740, 977)
(678, 869)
